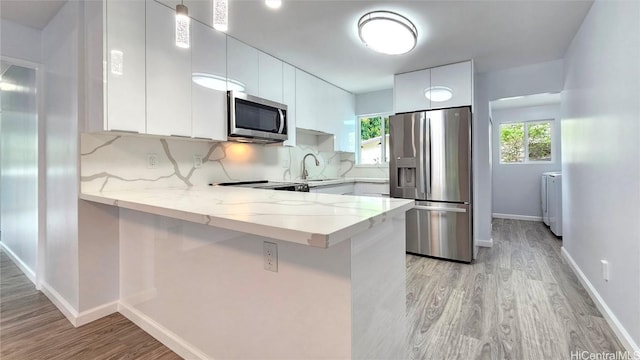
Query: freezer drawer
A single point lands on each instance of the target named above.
(441, 230)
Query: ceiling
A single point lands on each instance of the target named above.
(32, 13)
(320, 36)
(525, 101)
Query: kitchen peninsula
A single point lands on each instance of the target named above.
(192, 271)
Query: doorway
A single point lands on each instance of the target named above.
(20, 220)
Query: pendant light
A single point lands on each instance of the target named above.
(220, 15)
(182, 26)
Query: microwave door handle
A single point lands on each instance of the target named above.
(280, 121)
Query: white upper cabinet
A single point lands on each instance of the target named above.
(289, 99)
(243, 65)
(409, 88)
(408, 91)
(270, 77)
(457, 77)
(306, 100)
(168, 75)
(208, 60)
(346, 127)
(125, 66)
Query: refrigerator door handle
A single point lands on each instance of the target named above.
(430, 149)
(421, 138)
(437, 208)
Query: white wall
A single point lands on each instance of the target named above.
(60, 44)
(375, 102)
(19, 167)
(601, 156)
(525, 80)
(19, 41)
(516, 187)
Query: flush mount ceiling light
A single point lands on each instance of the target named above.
(216, 82)
(182, 26)
(220, 15)
(387, 32)
(438, 93)
(273, 4)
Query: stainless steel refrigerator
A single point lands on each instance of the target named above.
(431, 162)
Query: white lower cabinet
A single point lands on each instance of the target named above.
(340, 189)
(372, 189)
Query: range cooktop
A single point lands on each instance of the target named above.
(266, 184)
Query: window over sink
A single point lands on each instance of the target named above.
(373, 139)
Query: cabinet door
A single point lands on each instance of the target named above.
(306, 92)
(270, 77)
(242, 65)
(325, 107)
(340, 189)
(126, 66)
(456, 77)
(168, 75)
(372, 189)
(289, 99)
(346, 130)
(408, 91)
(209, 106)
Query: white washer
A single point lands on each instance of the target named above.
(544, 195)
(554, 202)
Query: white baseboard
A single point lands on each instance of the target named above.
(96, 313)
(75, 318)
(162, 334)
(517, 217)
(622, 334)
(60, 302)
(484, 243)
(30, 274)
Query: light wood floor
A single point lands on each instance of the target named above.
(518, 300)
(31, 327)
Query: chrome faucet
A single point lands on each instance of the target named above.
(304, 166)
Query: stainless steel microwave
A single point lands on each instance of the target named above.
(252, 119)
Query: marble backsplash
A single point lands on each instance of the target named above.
(115, 161)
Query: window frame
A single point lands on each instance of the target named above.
(383, 140)
(526, 124)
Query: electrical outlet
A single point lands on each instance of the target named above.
(152, 161)
(270, 251)
(605, 269)
(197, 161)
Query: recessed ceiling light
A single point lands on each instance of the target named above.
(387, 32)
(216, 82)
(273, 4)
(438, 93)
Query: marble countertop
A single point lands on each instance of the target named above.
(314, 219)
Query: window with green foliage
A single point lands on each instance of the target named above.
(523, 142)
(374, 140)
